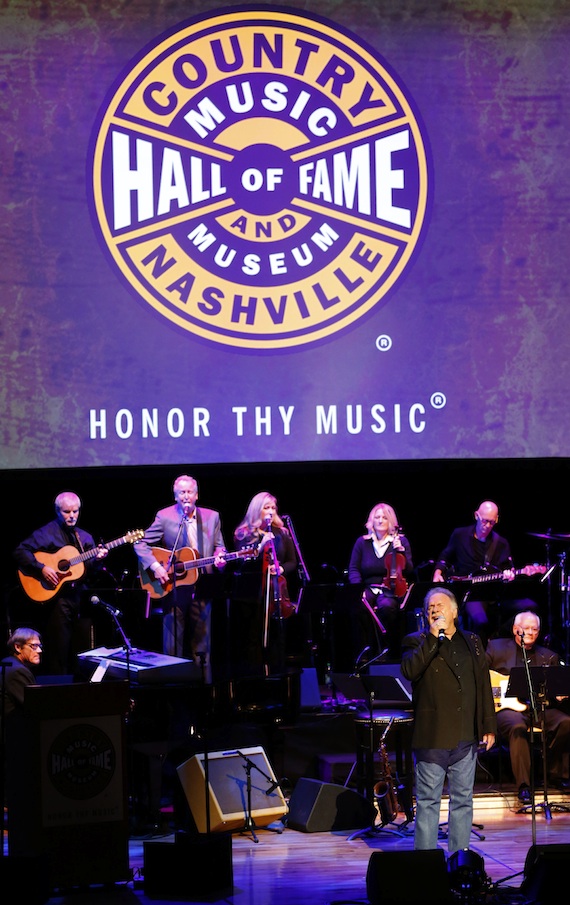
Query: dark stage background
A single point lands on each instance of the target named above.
(328, 502)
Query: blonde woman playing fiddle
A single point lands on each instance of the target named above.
(381, 561)
(261, 585)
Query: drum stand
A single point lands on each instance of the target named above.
(565, 604)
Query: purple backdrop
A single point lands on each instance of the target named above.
(467, 354)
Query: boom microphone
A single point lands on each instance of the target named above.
(96, 601)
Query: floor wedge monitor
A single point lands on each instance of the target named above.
(228, 776)
(320, 807)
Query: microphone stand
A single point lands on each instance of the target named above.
(565, 603)
(302, 568)
(533, 722)
(272, 587)
(129, 649)
(171, 566)
(249, 824)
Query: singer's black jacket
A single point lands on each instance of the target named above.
(437, 721)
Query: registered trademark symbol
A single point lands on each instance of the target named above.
(438, 400)
(383, 343)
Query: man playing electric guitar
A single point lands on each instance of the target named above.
(61, 613)
(479, 550)
(187, 617)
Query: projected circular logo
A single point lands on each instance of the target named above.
(259, 178)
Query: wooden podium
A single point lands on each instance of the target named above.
(66, 794)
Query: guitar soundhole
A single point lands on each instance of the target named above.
(63, 565)
(179, 569)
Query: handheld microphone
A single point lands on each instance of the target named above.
(441, 630)
(96, 601)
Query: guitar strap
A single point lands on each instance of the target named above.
(199, 533)
(490, 551)
(78, 541)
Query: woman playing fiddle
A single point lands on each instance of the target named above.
(381, 560)
(261, 585)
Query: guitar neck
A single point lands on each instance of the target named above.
(91, 554)
(493, 576)
(210, 560)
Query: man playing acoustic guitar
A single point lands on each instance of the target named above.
(179, 533)
(503, 654)
(61, 590)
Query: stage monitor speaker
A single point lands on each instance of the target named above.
(227, 788)
(319, 807)
(545, 872)
(189, 868)
(412, 877)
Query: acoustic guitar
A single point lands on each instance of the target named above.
(499, 684)
(184, 567)
(69, 564)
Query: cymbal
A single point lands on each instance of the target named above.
(549, 536)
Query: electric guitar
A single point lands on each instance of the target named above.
(184, 567)
(498, 576)
(499, 685)
(68, 562)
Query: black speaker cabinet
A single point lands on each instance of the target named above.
(545, 872)
(319, 807)
(189, 868)
(412, 877)
(26, 873)
(227, 785)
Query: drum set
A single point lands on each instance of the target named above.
(556, 565)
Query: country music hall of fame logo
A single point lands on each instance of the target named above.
(260, 178)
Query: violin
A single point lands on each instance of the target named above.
(280, 605)
(395, 563)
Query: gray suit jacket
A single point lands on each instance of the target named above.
(164, 531)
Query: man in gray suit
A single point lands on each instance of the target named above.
(179, 533)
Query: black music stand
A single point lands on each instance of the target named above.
(547, 681)
(327, 601)
(390, 691)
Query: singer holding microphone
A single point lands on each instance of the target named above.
(183, 526)
(454, 715)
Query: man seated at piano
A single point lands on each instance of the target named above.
(513, 715)
(480, 552)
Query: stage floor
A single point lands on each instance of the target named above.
(329, 868)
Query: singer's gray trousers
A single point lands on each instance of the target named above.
(429, 788)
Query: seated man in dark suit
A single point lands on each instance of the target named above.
(503, 654)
